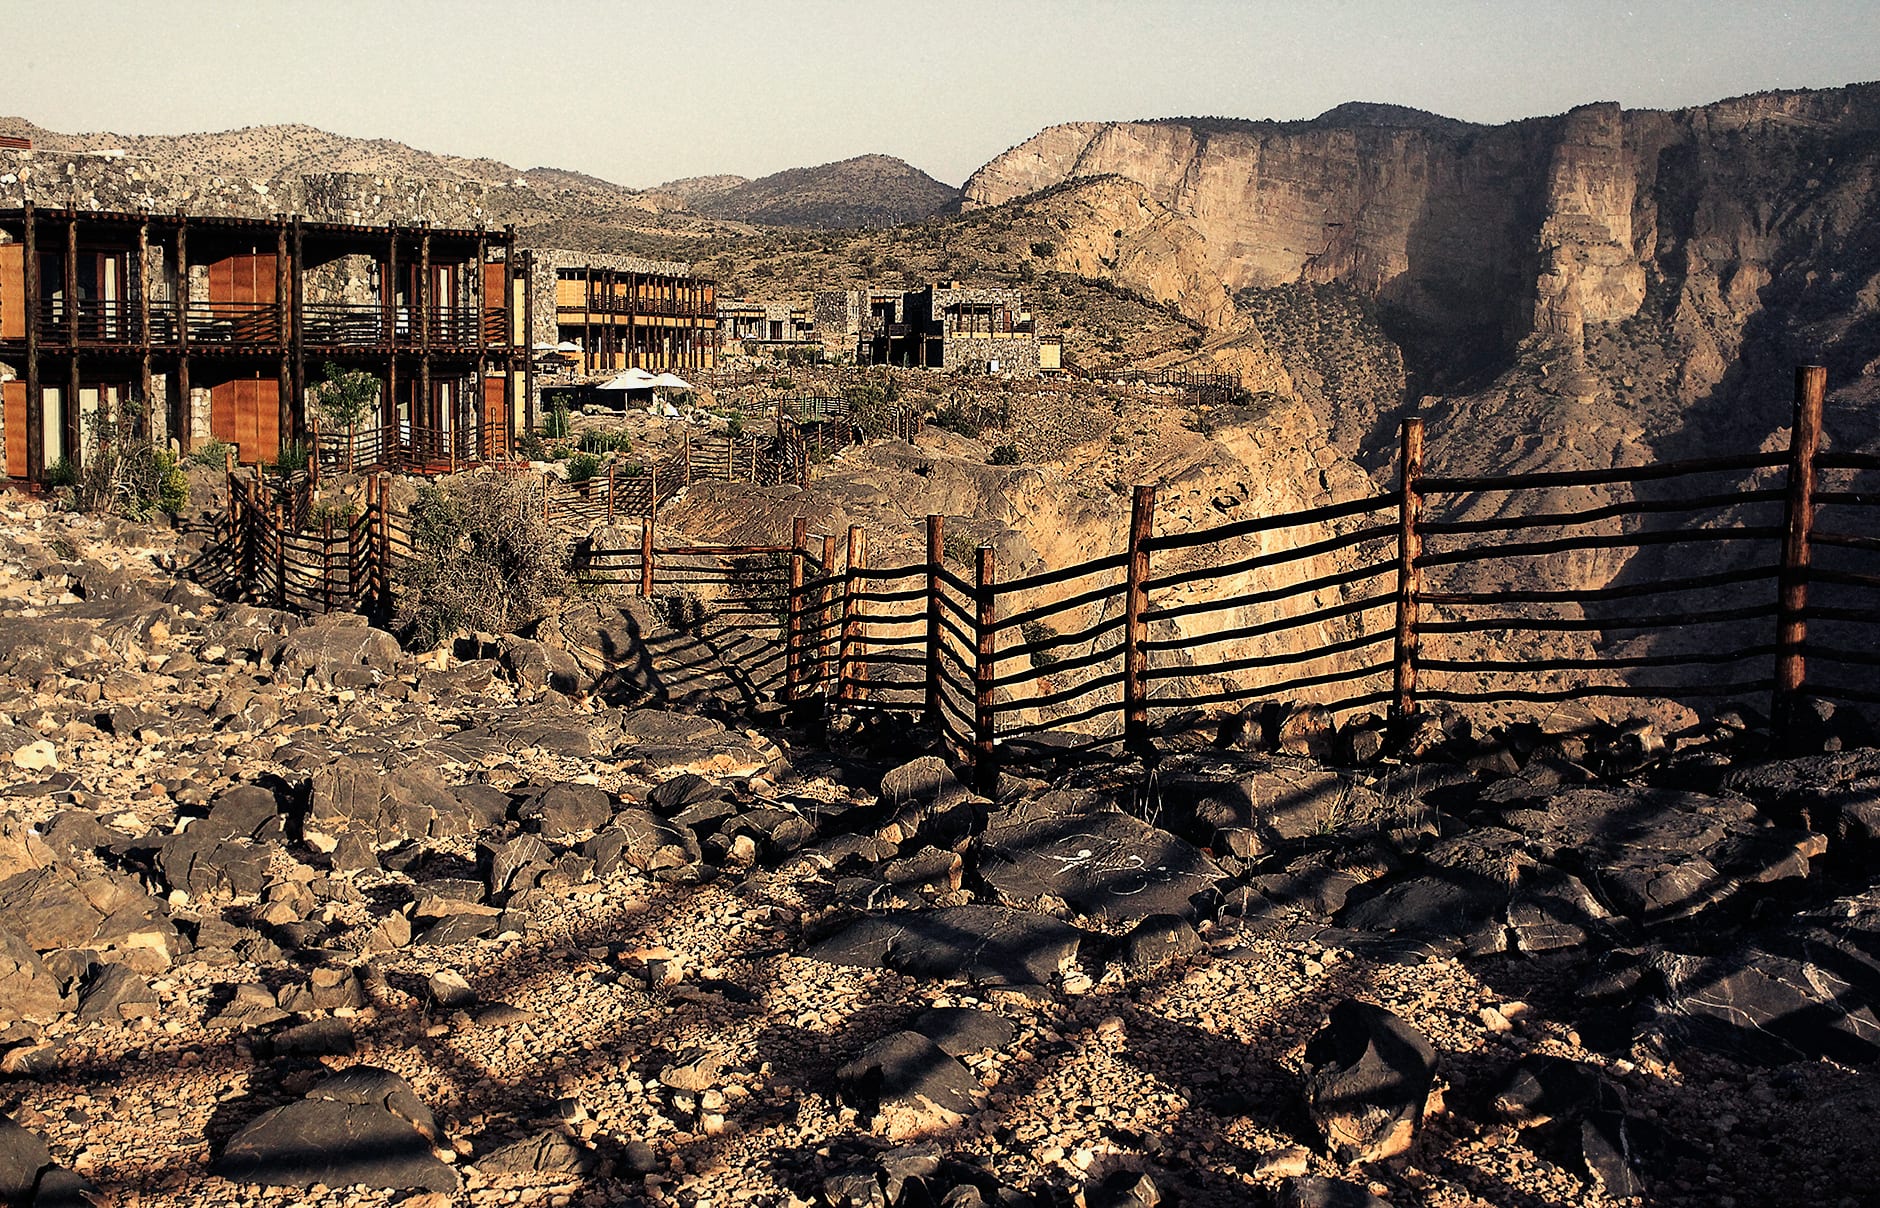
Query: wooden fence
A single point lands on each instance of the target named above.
(341, 563)
(1422, 594)
(1443, 590)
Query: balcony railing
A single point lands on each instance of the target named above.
(603, 304)
(235, 324)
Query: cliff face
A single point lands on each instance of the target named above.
(1662, 268)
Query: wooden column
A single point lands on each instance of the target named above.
(35, 390)
(931, 711)
(793, 637)
(74, 436)
(1136, 602)
(1811, 385)
(528, 339)
(850, 669)
(485, 449)
(985, 723)
(284, 379)
(180, 406)
(1409, 574)
(143, 329)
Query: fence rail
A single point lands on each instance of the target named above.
(1397, 600)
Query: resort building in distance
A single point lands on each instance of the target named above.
(604, 313)
(751, 324)
(937, 327)
(193, 328)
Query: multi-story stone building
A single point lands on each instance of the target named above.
(610, 312)
(936, 327)
(755, 324)
(192, 328)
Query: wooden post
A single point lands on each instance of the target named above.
(35, 433)
(1409, 574)
(985, 766)
(850, 670)
(611, 467)
(382, 590)
(326, 564)
(793, 639)
(544, 496)
(1811, 384)
(825, 608)
(1136, 602)
(936, 552)
(646, 557)
(280, 557)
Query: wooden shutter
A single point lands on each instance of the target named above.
(15, 395)
(12, 292)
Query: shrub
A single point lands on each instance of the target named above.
(482, 558)
(531, 447)
(62, 473)
(213, 454)
(555, 423)
(734, 427)
(582, 467)
(599, 440)
(291, 458)
(127, 476)
(868, 409)
(960, 419)
(1004, 455)
(1044, 249)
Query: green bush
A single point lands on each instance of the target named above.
(531, 447)
(1004, 455)
(582, 467)
(482, 558)
(599, 440)
(869, 413)
(291, 458)
(213, 455)
(62, 473)
(127, 476)
(959, 418)
(734, 427)
(555, 423)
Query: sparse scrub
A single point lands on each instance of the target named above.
(482, 559)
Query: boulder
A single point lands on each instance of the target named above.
(1368, 1078)
(361, 1126)
(23, 1157)
(61, 907)
(546, 1153)
(561, 810)
(983, 945)
(963, 1030)
(28, 990)
(1108, 866)
(907, 1087)
(385, 808)
(320, 650)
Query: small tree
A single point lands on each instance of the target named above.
(344, 397)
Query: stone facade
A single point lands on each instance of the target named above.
(547, 264)
(937, 327)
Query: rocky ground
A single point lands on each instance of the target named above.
(290, 915)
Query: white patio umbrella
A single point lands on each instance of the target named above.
(633, 379)
(671, 381)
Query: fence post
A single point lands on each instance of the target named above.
(382, 588)
(1811, 384)
(611, 467)
(793, 638)
(985, 766)
(1136, 602)
(825, 611)
(646, 557)
(731, 460)
(544, 496)
(326, 564)
(850, 669)
(936, 552)
(280, 556)
(1409, 574)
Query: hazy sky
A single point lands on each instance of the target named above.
(645, 92)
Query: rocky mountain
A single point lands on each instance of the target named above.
(867, 191)
(1571, 289)
(693, 188)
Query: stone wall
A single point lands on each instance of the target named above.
(548, 261)
(1017, 355)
